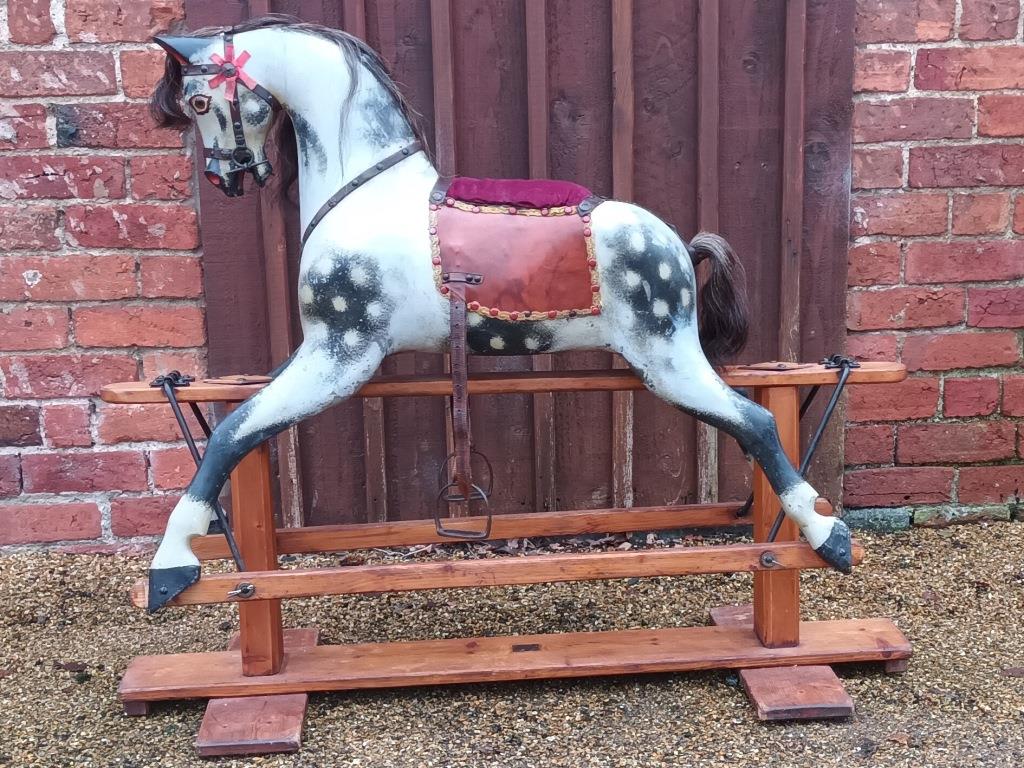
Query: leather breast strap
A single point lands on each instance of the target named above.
(374, 170)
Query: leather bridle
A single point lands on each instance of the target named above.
(228, 70)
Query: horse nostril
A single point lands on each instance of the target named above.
(213, 178)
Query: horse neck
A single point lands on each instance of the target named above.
(336, 142)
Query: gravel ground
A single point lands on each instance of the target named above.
(67, 632)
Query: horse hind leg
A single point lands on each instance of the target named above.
(694, 387)
(312, 380)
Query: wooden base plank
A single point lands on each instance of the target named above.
(529, 657)
(796, 693)
(257, 725)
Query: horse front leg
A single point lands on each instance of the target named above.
(313, 379)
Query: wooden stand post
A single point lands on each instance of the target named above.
(777, 594)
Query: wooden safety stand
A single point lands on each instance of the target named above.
(258, 688)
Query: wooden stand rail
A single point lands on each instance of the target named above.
(769, 634)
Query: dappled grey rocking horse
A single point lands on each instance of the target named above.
(397, 259)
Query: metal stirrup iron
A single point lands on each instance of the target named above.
(465, 490)
(168, 382)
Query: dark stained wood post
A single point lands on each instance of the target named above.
(260, 630)
(777, 594)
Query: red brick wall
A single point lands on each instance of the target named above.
(937, 257)
(100, 276)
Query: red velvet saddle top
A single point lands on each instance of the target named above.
(530, 241)
(523, 193)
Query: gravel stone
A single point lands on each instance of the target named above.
(958, 593)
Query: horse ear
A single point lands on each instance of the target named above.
(182, 48)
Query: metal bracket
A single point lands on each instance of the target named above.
(168, 382)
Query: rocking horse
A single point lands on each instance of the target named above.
(397, 259)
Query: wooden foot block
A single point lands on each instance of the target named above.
(136, 708)
(796, 693)
(897, 666)
(257, 725)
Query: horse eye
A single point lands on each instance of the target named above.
(200, 104)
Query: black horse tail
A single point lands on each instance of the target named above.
(723, 314)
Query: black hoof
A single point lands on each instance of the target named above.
(837, 549)
(167, 583)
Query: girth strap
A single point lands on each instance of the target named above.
(351, 186)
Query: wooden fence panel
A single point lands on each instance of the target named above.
(695, 109)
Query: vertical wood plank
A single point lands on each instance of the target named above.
(261, 635)
(374, 434)
(707, 202)
(444, 85)
(537, 129)
(791, 246)
(777, 595)
(623, 121)
(826, 237)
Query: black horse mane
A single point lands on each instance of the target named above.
(165, 104)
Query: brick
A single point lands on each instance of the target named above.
(138, 423)
(101, 21)
(873, 264)
(883, 21)
(132, 225)
(1013, 395)
(61, 177)
(946, 351)
(913, 118)
(38, 523)
(66, 425)
(915, 398)
(970, 396)
(877, 167)
(146, 325)
(981, 214)
(872, 346)
(996, 165)
(113, 126)
(173, 468)
(965, 261)
(991, 485)
(878, 519)
(57, 73)
(995, 307)
(869, 444)
(913, 213)
(86, 472)
(31, 228)
(904, 308)
(1001, 114)
(897, 486)
(67, 375)
(10, 475)
(192, 362)
(19, 425)
(67, 278)
(943, 517)
(955, 443)
(880, 71)
(145, 516)
(989, 19)
(140, 72)
(171, 276)
(969, 69)
(29, 21)
(23, 328)
(23, 126)
(161, 177)
(1018, 215)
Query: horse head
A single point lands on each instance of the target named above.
(206, 82)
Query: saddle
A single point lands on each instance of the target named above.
(509, 251)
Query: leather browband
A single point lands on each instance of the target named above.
(351, 186)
